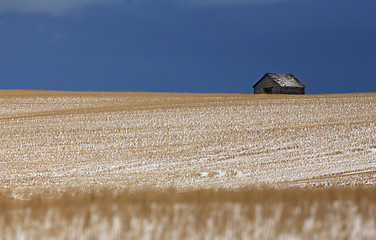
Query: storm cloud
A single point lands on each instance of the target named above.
(52, 7)
(60, 7)
(198, 3)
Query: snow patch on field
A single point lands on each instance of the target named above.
(221, 174)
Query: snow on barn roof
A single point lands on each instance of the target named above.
(283, 80)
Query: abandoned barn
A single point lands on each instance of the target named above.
(279, 83)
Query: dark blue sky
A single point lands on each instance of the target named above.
(221, 46)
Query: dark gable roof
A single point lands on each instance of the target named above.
(283, 80)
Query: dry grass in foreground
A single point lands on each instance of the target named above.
(293, 213)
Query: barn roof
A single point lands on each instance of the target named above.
(283, 80)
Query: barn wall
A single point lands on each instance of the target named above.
(266, 82)
(292, 90)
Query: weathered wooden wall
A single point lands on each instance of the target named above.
(267, 83)
(292, 90)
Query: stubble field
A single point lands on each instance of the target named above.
(155, 150)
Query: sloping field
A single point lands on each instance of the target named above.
(53, 142)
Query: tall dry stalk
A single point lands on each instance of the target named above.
(241, 214)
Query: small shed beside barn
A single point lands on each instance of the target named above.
(278, 83)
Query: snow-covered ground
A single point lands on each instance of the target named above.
(52, 141)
